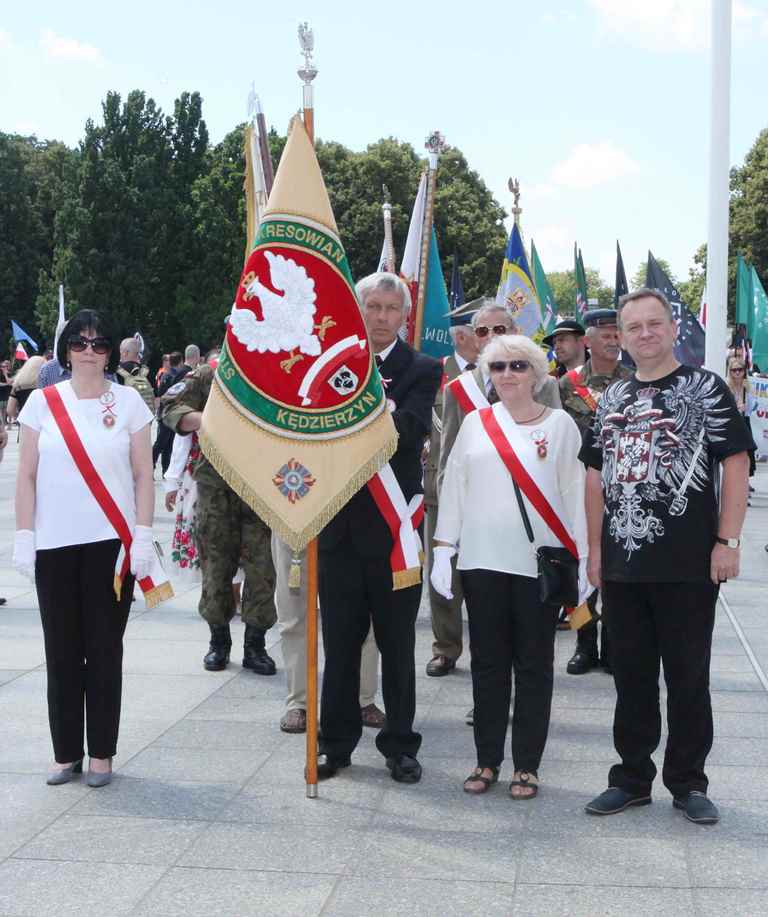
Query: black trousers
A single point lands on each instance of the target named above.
(163, 446)
(649, 623)
(356, 591)
(83, 627)
(509, 628)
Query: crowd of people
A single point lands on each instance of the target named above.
(609, 493)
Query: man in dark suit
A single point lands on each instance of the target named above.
(355, 573)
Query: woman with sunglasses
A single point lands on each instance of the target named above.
(739, 386)
(510, 628)
(83, 427)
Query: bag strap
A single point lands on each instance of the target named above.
(523, 511)
(524, 481)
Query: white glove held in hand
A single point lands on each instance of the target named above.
(24, 553)
(142, 551)
(585, 587)
(442, 572)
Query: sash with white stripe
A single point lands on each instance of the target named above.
(467, 392)
(403, 519)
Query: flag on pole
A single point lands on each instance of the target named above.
(544, 292)
(456, 295)
(409, 266)
(621, 287)
(19, 334)
(689, 347)
(759, 315)
(703, 309)
(516, 290)
(20, 354)
(297, 418)
(744, 299)
(435, 330)
(382, 265)
(582, 302)
(62, 321)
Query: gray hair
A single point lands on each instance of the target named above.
(491, 305)
(517, 346)
(383, 280)
(643, 293)
(455, 329)
(130, 346)
(191, 352)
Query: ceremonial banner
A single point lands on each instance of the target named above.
(297, 420)
(759, 318)
(689, 347)
(758, 419)
(456, 295)
(19, 334)
(544, 292)
(582, 300)
(435, 334)
(516, 290)
(744, 310)
(409, 266)
(620, 287)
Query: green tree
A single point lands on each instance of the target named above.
(563, 284)
(638, 278)
(691, 290)
(749, 208)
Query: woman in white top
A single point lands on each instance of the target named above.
(509, 627)
(66, 543)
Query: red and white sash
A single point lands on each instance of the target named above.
(467, 392)
(155, 587)
(403, 519)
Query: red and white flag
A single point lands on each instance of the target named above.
(409, 266)
(20, 354)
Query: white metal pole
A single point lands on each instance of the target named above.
(719, 167)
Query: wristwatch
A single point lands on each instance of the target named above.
(728, 542)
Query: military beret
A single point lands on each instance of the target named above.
(599, 318)
(569, 326)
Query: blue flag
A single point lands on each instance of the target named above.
(435, 333)
(19, 334)
(456, 296)
(516, 288)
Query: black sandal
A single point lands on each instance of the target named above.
(525, 781)
(477, 777)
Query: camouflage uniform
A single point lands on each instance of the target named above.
(229, 533)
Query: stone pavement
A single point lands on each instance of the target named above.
(207, 813)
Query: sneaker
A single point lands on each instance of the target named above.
(698, 808)
(615, 800)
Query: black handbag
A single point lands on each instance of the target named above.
(558, 568)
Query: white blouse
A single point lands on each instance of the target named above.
(478, 509)
(66, 512)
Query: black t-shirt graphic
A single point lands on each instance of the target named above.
(658, 445)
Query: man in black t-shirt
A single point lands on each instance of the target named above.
(663, 534)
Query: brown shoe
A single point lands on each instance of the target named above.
(372, 716)
(440, 665)
(294, 721)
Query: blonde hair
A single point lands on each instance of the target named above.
(26, 377)
(517, 346)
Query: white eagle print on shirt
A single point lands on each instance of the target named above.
(652, 456)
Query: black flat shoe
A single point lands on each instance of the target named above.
(580, 663)
(698, 808)
(615, 800)
(404, 768)
(328, 767)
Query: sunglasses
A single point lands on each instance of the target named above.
(78, 344)
(482, 331)
(514, 366)
(737, 369)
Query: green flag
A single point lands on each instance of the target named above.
(758, 314)
(744, 295)
(544, 292)
(582, 302)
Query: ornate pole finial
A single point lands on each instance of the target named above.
(514, 186)
(307, 41)
(385, 192)
(435, 145)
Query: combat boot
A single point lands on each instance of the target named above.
(255, 656)
(586, 656)
(217, 657)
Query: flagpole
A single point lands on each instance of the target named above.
(719, 162)
(389, 245)
(307, 73)
(435, 145)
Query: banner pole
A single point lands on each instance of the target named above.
(307, 73)
(435, 146)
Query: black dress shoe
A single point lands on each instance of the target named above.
(404, 768)
(615, 800)
(2, 601)
(328, 767)
(580, 663)
(440, 665)
(697, 808)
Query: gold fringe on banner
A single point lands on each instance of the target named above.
(402, 579)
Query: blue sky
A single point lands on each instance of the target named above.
(599, 107)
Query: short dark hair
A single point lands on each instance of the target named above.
(86, 320)
(642, 293)
(176, 358)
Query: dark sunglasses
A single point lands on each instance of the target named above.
(514, 366)
(78, 344)
(737, 369)
(482, 331)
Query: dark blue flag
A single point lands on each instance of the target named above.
(689, 347)
(621, 287)
(456, 296)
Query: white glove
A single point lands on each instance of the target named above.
(442, 571)
(585, 587)
(142, 551)
(24, 553)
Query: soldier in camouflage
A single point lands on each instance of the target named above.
(229, 535)
(580, 391)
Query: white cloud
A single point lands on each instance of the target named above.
(554, 243)
(673, 25)
(69, 49)
(591, 164)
